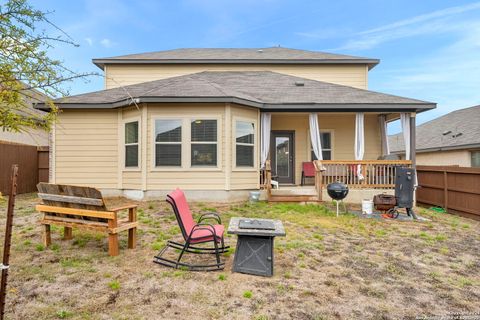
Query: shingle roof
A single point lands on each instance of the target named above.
(443, 132)
(236, 55)
(262, 89)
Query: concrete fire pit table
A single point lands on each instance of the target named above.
(254, 252)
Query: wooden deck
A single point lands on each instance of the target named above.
(367, 174)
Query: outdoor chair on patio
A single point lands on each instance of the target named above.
(308, 171)
(194, 233)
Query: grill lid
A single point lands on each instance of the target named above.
(337, 190)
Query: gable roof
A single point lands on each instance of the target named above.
(273, 55)
(262, 89)
(456, 130)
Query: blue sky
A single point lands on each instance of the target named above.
(429, 49)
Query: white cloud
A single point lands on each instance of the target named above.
(107, 43)
(89, 41)
(431, 23)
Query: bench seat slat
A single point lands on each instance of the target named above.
(74, 225)
(76, 212)
(71, 199)
(55, 219)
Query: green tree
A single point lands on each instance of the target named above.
(26, 70)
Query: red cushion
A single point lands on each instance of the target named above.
(203, 235)
(308, 169)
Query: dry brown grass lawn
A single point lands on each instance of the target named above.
(326, 268)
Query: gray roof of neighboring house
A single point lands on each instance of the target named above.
(262, 89)
(459, 129)
(273, 55)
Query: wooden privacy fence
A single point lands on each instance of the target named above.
(32, 166)
(456, 189)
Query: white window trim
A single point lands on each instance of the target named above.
(332, 144)
(187, 143)
(154, 143)
(219, 143)
(234, 144)
(139, 143)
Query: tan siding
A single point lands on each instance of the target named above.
(349, 75)
(86, 148)
(186, 178)
(342, 127)
(241, 178)
(445, 158)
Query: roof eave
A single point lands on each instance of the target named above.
(102, 62)
(297, 107)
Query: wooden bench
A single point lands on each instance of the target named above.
(84, 208)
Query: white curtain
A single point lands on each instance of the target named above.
(359, 142)
(266, 124)
(384, 131)
(405, 121)
(315, 136)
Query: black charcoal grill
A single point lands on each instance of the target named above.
(337, 191)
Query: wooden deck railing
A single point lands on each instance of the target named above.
(376, 173)
(318, 178)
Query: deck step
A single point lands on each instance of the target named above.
(294, 192)
(293, 198)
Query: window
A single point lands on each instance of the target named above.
(204, 143)
(131, 144)
(168, 143)
(326, 140)
(244, 135)
(475, 158)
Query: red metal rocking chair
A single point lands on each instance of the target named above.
(193, 233)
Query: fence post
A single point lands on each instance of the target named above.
(445, 189)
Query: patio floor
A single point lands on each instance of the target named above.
(326, 268)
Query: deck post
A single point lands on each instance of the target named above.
(413, 147)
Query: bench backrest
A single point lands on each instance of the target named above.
(67, 196)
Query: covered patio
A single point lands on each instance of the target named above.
(303, 152)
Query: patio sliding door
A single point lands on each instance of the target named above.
(282, 153)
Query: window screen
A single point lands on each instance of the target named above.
(204, 143)
(131, 144)
(244, 137)
(326, 140)
(168, 142)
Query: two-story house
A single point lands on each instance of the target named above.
(212, 121)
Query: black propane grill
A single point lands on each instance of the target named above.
(337, 191)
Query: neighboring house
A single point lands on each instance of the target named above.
(452, 139)
(33, 137)
(192, 118)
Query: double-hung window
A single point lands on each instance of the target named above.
(326, 140)
(131, 144)
(244, 140)
(168, 142)
(204, 143)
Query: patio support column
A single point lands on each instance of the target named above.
(382, 119)
(413, 147)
